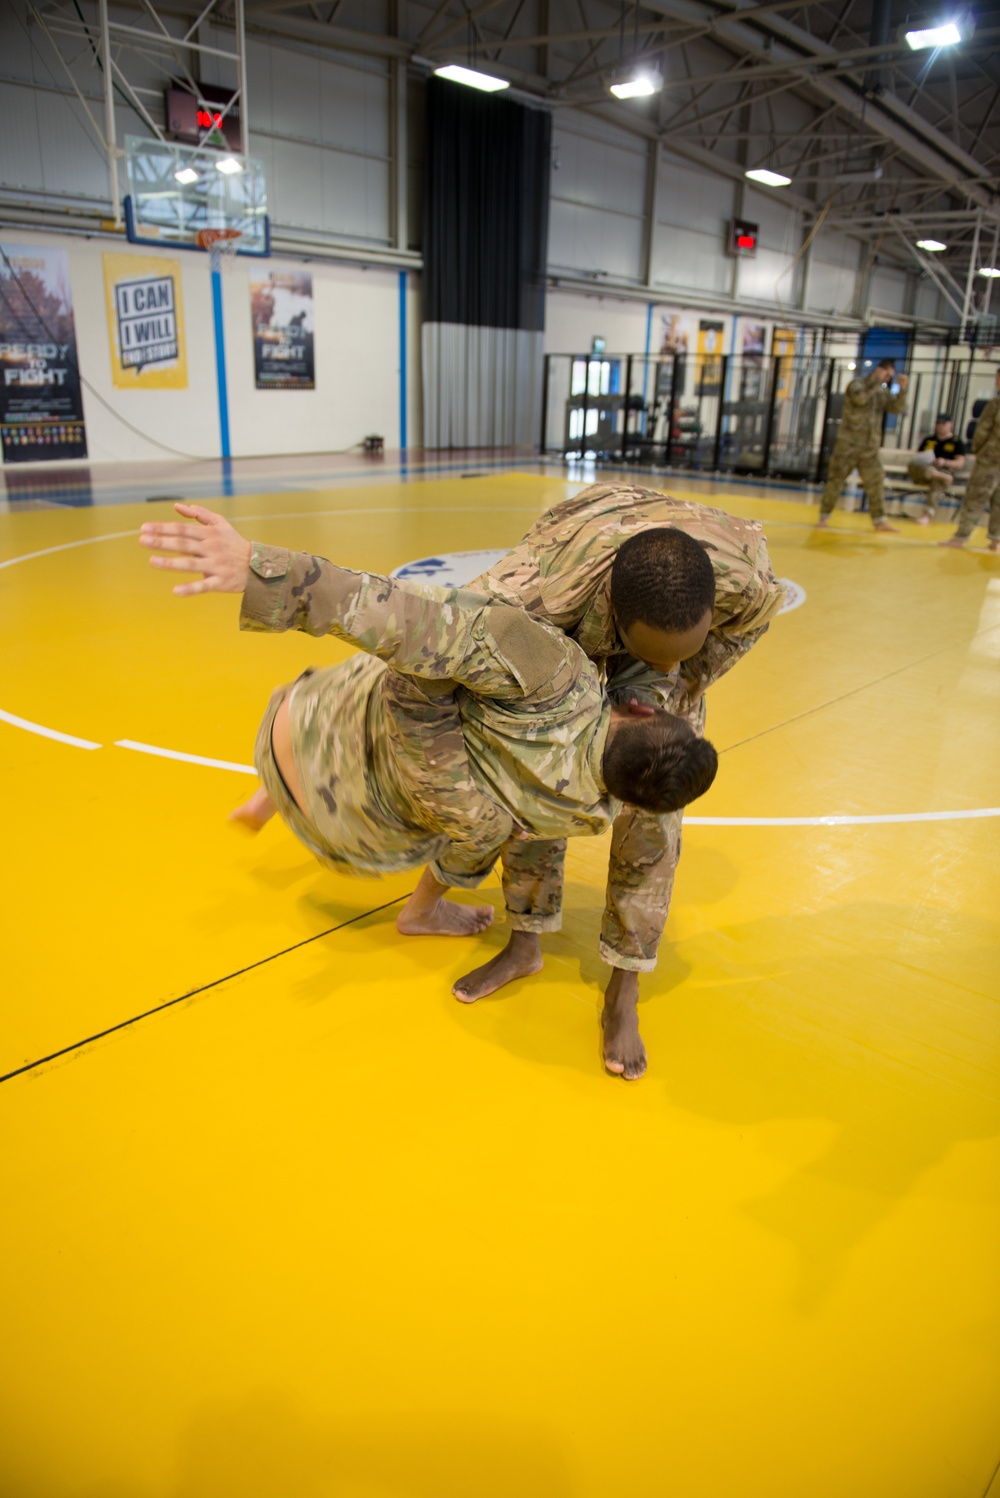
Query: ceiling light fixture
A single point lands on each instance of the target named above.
(769, 178)
(186, 174)
(945, 35)
(229, 165)
(471, 78)
(991, 272)
(932, 246)
(639, 87)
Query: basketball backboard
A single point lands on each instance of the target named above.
(177, 190)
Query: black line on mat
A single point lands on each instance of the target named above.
(194, 992)
(853, 692)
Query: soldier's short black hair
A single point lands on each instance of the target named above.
(658, 763)
(886, 364)
(663, 578)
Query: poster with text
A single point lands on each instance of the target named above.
(282, 309)
(41, 406)
(710, 339)
(145, 322)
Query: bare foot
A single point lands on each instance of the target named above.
(993, 546)
(520, 958)
(883, 525)
(923, 520)
(822, 522)
(624, 1052)
(443, 919)
(255, 813)
(955, 542)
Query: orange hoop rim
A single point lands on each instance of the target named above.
(211, 239)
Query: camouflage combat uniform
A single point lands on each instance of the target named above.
(984, 485)
(463, 723)
(858, 442)
(561, 573)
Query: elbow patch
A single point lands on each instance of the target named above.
(533, 653)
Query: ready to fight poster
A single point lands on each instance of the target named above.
(282, 308)
(41, 408)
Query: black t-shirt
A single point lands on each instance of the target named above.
(951, 447)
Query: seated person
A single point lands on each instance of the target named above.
(357, 758)
(940, 458)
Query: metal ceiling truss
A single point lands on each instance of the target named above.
(115, 44)
(931, 124)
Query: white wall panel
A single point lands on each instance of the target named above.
(831, 288)
(355, 196)
(688, 258)
(586, 239)
(780, 228)
(928, 302)
(573, 320)
(889, 289)
(598, 173)
(295, 106)
(691, 199)
(21, 152)
(769, 278)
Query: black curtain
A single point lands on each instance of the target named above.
(486, 199)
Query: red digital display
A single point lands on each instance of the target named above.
(743, 239)
(189, 116)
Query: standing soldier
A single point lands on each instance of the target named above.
(664, 596)
(984, 485)
(859, 439)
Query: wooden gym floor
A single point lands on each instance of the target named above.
(284, 1220)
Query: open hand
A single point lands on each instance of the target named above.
(903, 381)
(212, 547)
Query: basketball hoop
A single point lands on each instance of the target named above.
(221, 245)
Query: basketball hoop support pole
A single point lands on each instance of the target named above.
(220, 364)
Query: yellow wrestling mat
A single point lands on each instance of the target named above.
(303, 1226)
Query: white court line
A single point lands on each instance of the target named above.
(191, 759)
(222, 764)
(895, 816)
(47, 733)
(30, 556)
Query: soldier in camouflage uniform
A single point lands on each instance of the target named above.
(561, 573)
(984, 485)
(375, 777)
(859, 439)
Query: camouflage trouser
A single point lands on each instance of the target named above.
(645, 849)
(935, 483)
(842, 462)
(382, 802)
(984, 489)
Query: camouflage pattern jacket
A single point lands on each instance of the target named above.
(561, 572)
(533, 716)
(986, 437)
(865, 403)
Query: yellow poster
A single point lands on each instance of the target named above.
(783, 348)
(145, 322)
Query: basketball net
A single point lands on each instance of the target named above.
(221, 245)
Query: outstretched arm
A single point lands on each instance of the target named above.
(437, 634)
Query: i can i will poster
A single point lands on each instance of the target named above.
(41, 404)
(145, 322)
(282, 310)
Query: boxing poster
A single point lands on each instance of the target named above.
(282, 310)
(41, 404)
(145, 322)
